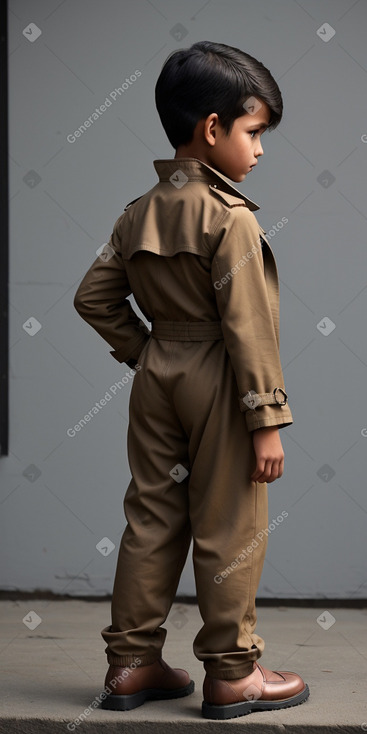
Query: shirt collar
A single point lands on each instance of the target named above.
(197, 170)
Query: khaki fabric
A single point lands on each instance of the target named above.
(202, 272)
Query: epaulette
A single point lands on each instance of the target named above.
(228, 199)
(132, 202)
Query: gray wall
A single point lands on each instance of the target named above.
(62, 495)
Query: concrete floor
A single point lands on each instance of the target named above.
(53, 672)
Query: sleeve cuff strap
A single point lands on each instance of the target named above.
(252, 399)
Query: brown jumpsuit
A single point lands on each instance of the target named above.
(192, 253)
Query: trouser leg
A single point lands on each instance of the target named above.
(156, 540)
(228, 513)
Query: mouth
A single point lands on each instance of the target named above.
(253, 166)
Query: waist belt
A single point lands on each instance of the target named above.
(187, 331)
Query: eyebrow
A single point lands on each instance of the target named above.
(258, 127)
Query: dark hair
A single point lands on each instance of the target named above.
(211, 77)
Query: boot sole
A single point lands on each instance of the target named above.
(132, 701)
(232, 710)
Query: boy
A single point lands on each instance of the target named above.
(208, 396)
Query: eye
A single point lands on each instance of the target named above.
(253, 133)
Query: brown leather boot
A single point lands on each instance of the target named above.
(127, 688)
(260, 691)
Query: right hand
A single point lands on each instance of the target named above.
(269, 454)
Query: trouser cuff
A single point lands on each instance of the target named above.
(234, 672)
(126, 661)
(240, 671)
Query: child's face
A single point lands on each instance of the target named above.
(235, 155)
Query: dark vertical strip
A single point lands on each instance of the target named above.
(4, 234)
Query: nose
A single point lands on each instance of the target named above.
(259, 150)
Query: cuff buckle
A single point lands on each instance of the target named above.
(283, 393)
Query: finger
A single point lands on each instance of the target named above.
(265, 474)
(276, 471)
(259, 470)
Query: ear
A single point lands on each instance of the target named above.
(210, 128)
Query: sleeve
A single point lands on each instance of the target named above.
(101, 300)
(249, 319)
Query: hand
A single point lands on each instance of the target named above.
(269, 454)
